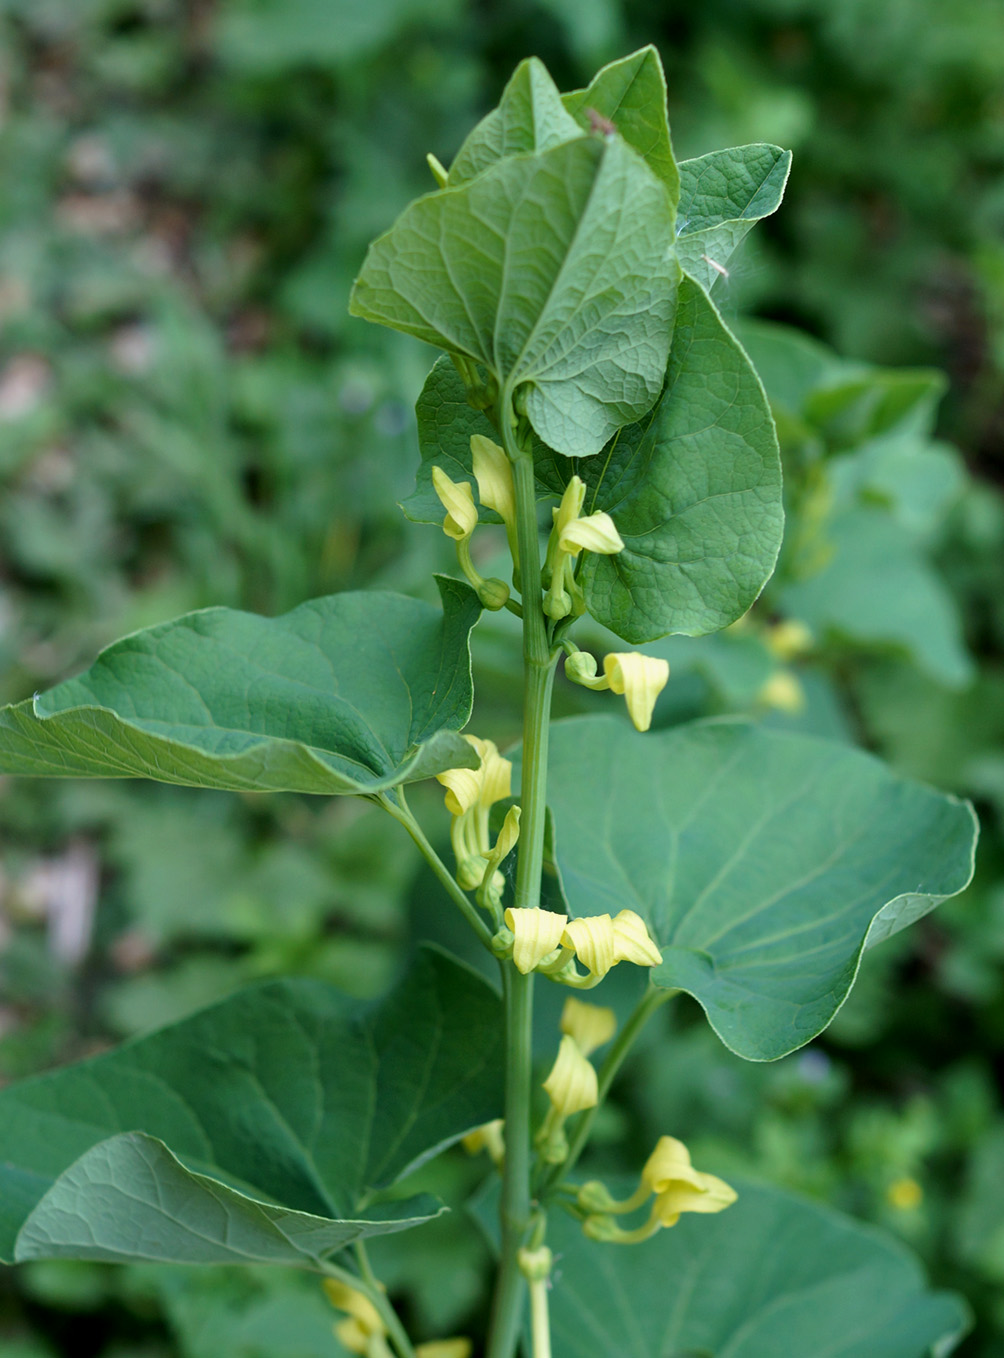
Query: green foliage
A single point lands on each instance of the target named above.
(747, 851)
(310, 1104)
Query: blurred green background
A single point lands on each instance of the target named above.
(189, 417)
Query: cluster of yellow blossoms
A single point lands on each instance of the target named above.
(638, 678)
(672, 1183)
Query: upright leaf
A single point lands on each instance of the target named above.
(763, 863)
(773, 1275)
(694, 489)
(554, 271)
(260, 1127)
(631, 93)
(530, 117)
(722, 196)
(348, 694)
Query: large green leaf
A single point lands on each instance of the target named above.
(347, 694)
(722, 196)
(764, 863)
(555, 271)
(258, 1128)
(530, 117)
(773, 1275)
(631, 93)
(694, 489)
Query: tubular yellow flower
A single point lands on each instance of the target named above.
(571, 506)
(470, 795)
(458, 501)
(571, 1085)
(463, 788)
(488, 1137)
(633, 942)
(445, 1348)
(678, 1187)
(783, 692)
(536, 933)
(593, 940)
(595, 533)
(589, 1025)
(493, 473)
(362, 1330)
(640, 678)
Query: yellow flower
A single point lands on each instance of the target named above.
(783, 692)
(488, 1137)
(470, 795)
(589, 1025)
(789, 639)
(601, 942)
(678, 1187)
(493, 473)
(640, 678)
(905, 1195)
(362, 1328)
(458, 501)
(571, 1085)
(445, 1348)
(536, 934)
(595, 533)
(570, 507)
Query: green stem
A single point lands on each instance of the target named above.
(402, 814)
(538, 677)
(645, 1008)
(540, 1324)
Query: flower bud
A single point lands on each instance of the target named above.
(536, 934)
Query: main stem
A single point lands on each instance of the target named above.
(538, 676)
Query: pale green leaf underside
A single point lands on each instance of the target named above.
(773, 1275)
(346, 694)
(288, 1094)
(722, 196)
(694, 489)
(530, 117)
(129, 1198)
(631, 93)
(763, 862)
(555, 271)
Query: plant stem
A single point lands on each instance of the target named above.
(401, 813)
(538, 677)
(645, 1008)
(369, 1285)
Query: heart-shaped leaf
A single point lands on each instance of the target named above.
(554, 271)
(631, 94)
(266, 1123)
(722, 196)
(772, 1275)
(348, 694)
(764, 863)
(694, 489)
(530, 117)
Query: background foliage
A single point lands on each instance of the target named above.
(190, 417)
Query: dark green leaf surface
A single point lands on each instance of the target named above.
(694, 489)
(722, 196)
(554, 271)
(773, 1275)
(530, 117)
(764, 863)
(347, 694)
(631, 93)
(287, 1106)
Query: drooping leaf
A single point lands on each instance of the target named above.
(722, 196)
(913, 611)
(446, 422)
(631, 93)
(771, 1275)
(694, 489)
(267, 1122)
(530, 117)
(764, 863)
(346, 694)
(554, 271)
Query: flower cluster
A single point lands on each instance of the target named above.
(542, 940)
(470, 796)
(363, 1331)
